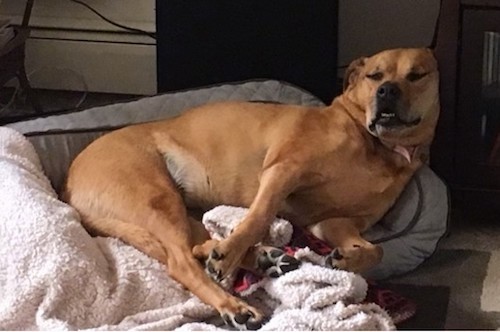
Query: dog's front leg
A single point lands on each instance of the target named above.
(276, 183)
(351, 251)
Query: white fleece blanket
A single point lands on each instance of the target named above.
(54, 276)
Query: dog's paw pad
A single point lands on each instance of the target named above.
(275, 262)
(246, 320)
(333, 259)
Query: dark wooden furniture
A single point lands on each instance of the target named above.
(466, 151)
(203, 42)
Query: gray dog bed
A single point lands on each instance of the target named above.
(409, 233)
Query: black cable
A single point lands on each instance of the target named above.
(142, 32)
(27, 13)
(433, 44)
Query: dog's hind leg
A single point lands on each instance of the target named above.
(181, 266)
(152, 217)
(352, 252)
(131, 234)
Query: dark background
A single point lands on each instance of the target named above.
(203, 42)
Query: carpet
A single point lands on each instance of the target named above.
(458, 287)
(455, 289)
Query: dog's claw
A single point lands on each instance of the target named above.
(215, 255)
(332, 260)
(213, 272)
(210, 269)
(337, 255)
(224, 258)
(226, 319)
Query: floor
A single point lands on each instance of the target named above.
(458, 286)
(474, 222)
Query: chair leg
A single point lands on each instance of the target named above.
(25, 84)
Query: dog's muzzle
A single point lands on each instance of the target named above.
(387, 105)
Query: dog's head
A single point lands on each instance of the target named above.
(398, 91)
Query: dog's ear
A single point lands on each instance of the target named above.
(352, 72)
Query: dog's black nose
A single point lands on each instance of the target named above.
(389, 92)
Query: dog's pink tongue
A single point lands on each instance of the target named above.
(405, 151)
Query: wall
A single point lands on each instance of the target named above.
(71, 48)
(368, 26)
(84, 48)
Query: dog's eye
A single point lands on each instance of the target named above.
(412, 77)
(375, 76)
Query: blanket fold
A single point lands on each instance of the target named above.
(54, 276)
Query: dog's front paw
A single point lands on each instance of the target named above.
(336, 260)
(202, 251)
(275, 262)
(244, 317)
(223, 259)
(212, 268)
(209, 254)
(354, 259)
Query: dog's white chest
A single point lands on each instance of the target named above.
(189, 176)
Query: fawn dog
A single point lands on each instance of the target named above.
(334, 170)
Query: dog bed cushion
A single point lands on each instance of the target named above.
(408, 234)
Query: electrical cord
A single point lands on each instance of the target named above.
(70, 71)
(124, 27)
(433, 43)
(6, 107)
